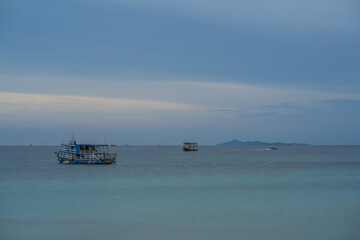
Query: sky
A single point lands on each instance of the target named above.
(164, 72)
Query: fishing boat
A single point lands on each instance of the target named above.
(190, 146)
(74, 153)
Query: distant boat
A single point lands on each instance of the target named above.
(273, 148)
(190, 146)
(74, 153)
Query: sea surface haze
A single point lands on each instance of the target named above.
(161, 192)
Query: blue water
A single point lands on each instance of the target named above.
(157, 192)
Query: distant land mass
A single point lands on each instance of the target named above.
(257, 143)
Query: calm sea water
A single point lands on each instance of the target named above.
(156, 193)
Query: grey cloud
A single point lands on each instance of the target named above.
(340, 102)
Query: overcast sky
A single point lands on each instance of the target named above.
(163, 72)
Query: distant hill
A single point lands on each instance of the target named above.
(257, 143)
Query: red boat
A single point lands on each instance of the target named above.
(189, 146)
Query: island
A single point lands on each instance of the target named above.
(258, 143)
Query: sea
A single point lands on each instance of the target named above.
(163, 193)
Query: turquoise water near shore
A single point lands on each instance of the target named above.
(160, 192)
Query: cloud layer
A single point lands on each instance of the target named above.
(168, 70)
